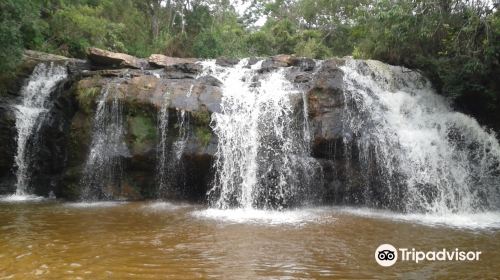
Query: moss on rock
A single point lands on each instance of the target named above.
(201, 121)
(201, 118)
(86, 97)
(204, 135)
(142, 133)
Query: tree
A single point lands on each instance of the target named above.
(18, 28)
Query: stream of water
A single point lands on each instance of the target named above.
(427, 157)
(36, 101)
(103, 168)
(262, 150)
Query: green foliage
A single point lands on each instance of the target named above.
(275, 37)
(18, 28)
(222, 39)
(454, 42)
(86, 97)
(311, 45)
(11, 46)
(142, 132)
(80, 28)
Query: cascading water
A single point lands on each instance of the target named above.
(162, 148)
(427, 157)
(103, 168)
(183, 132)
(169, 164)
(30, 114)
(260, 156)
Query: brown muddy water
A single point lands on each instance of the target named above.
(159, 240)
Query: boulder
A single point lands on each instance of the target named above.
(75, 66)
(303, 63)
(162, 61)
(326, 102)
(275, 62)
(226, 62)
(175, 67)
(283, 59)
(104, 58)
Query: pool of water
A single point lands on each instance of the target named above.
(157, 240)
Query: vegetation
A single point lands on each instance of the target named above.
(142, 132)
(455, 42)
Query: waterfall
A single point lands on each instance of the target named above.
(29, 117)
(169, 168)
(162, 148)
(103, 168)
(183, 132)
(259, 158)
(426, 157)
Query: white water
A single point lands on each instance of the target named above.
(162, 206)
(183, 133)
(94, 204)
(169, 174)
(103, 168)
(260, 149)
(21, 198)
(162, 147)
(430, 158)
(29, 116)
(482, 220)
(304, 216)
(267, 217)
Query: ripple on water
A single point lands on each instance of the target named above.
(95, 204)
(482, 220)
(160, 206)
(256, 216)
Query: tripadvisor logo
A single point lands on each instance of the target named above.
(387, 255)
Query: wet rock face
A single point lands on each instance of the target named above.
(326, 102)
(143, 87)
(143, 93)
(51, 143)
(148, 90)
(7, 145)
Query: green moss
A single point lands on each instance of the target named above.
(201, 118)
(201, 121)
(142, 132)
(86, 97)
(204, 135)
